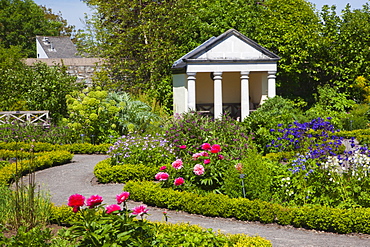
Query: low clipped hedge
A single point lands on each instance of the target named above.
(76, 148)
(176, 234)
(35, 162)
(107, 173)
(311, 217)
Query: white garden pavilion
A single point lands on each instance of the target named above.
(226, 73)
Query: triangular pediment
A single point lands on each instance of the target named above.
(229, 46)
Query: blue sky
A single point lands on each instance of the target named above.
(73, 10)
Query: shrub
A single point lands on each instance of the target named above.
(105, 172)
(272, 112)
(311, 217)
(40, 161)
(192, 130)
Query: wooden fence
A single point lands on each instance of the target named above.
(30, 117)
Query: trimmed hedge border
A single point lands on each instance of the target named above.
(322, 218)
(38, 162)
(106, 173)
(76, 148)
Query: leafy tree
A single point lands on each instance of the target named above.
(140, 40)
(22, 20)
(33, 88)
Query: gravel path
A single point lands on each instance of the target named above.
(77, 177)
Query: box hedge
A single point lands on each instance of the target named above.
(310, 216)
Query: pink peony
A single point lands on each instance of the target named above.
(196, 156)
(177, 164)
(198, 169)
(140, 210)
(112, 208)
(207, 161)
(206, 146)
(122, 197)
(76, 201)
(163, 168)
(94, 200)
(162, 176)
(179, 181)
(183, 147)
(204, 154)
(215, 149)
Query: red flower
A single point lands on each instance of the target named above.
(112, 208)
(93, 201)
(76, 201)
(206, 146)
(163, 168)
(182, 146)
(140, 210)
(122, 197)
(207, 161)
(215, 149)
(179, 181)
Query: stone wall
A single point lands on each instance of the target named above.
(82, 68)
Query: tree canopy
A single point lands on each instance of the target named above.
(22, 20)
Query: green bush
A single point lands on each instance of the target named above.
(183, 234)
(39, 161)
(272, 112)
(311, 217)
(192, 130)
(105, 172)
(256, 173)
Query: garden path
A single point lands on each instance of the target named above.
(78, 177)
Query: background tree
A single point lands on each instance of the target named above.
(33, 88)
(22, 20)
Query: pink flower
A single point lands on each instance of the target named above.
(204, 154)
(122, 197)
(112, 208)
(206, 146)
(221, 157)
(163, 168)
(177, 164)
(182, 146)
(93, 201)
(198, 169)
(140, 210)
(215, 149)
(207, 161)
(179, 181)
(162, 176)
(76, 201)
(196, 156)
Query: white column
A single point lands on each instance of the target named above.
(191, 91)
(244, 80)
(217, 98)
(271, 87)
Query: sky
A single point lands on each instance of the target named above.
(74, 10)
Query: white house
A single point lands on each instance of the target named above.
(226, 73)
